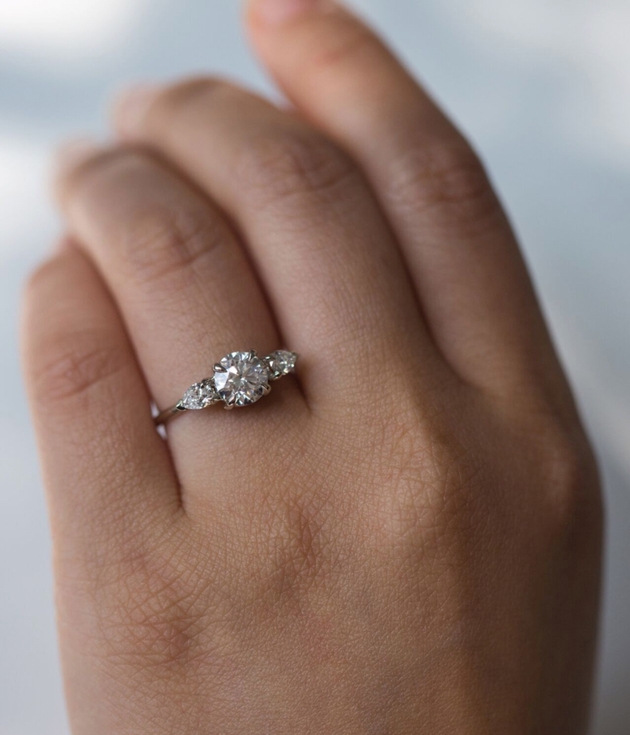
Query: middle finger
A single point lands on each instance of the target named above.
(326, 253)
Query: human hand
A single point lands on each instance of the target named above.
(404, 539)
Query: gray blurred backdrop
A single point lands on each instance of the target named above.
(542, 87)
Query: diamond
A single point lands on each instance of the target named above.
(281, 363)
(241, 378)
(199, 396)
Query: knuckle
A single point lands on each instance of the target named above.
(86, 176)
(38, 278)
(571, 476)
(431, 474)
(151, 629)
(293, 163)
(78, 364)
(164, 241)
(298, 551)
(189, 93)
(347, 44)
(151, 608)
(296, 539)
(37, 286)
(162, 235)
(444, 179)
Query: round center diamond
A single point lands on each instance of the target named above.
(241, 378)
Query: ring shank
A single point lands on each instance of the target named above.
(165, 416)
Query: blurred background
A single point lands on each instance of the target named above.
(542, 87)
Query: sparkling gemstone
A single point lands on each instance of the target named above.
(241, 378)
(201, 395)
(281, 363)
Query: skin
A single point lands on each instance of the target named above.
(403, 539)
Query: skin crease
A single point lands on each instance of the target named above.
(403, 539)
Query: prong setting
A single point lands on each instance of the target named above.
(242, 379)
(239, 379)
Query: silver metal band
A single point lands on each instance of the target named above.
(170, 413)
(239, 379)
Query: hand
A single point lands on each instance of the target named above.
(405, 539)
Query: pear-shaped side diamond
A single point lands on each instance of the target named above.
(199, 396)
(281, 363)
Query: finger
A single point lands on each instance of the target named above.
(465, 262)
(324, 251)
(184, 286)
(106, 470)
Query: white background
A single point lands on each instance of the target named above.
(543, 89)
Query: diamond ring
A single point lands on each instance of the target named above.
(239, 379)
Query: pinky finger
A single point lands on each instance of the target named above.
(105, 468)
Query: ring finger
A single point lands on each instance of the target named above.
(182, 281)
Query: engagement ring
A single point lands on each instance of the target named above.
(239, 379)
